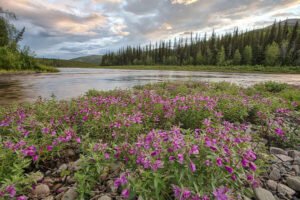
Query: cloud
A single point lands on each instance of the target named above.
(185, 2)
(70, 28)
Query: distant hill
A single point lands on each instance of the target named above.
(94, 59)
(291, 22)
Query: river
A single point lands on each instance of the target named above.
(73, 82)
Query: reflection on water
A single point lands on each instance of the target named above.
(72, 82)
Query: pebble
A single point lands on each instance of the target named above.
(285, 190)
(296, 168)
(62, 168)
(294, 183)
(275, 174)
(49, 198)
(105, 197)
(284, 158)
(272, 185)
(71, 194)
(262, 194)
(275, 150)
(294, 153)
(41, 190)
(111, 186)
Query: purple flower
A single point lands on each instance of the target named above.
(186, 194)
(180, 158)
(11, 190)
(192, 167)
(125, 193)
(194, 150)
(220, 193)
(279, 131)
(106, 156)
(177, 191)
(22, 198)
(245, 162)
(252, 166)
(49, 148)
(219, 162)
(229, 169)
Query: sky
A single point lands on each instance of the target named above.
(71, 28)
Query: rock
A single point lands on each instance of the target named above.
(262, 194)
(275, 174)
(285, 190)
(41, 191)
(275, 150)
(71, 194)
(294, 153)
(111, 186)
(62, 168)
(75, 166)
(272, 185)
(284, 158)
(70, 153)
(49, 198)
(59, 196)
(296, 161)
(294, 183)
(36, 177)
(48, 180)
(57, 186)
(71, 180)
(296, 168)
(105, 197)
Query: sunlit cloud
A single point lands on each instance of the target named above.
(70, 28)
(185, 2)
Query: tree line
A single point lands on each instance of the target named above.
(276, 45)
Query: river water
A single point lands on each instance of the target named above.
(73, 82)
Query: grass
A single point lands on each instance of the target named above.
(240, 69)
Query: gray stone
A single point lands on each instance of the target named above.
(294, 183)
(296, 161)
(275, 150)
(285, 190)
(70, 152)
(272, 185)
(71, 194)
(296, 168)
(262, 194)
(41, 191)
(275, 174)
(75, 166)
(105, 197)
(284, 158)
(294, 153)
(49, 198)
(62, 168)
(111, 186)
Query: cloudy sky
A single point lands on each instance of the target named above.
(72, 28)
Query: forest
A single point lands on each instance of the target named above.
(276, 45)
(13, 57)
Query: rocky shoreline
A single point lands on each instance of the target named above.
(280, 181)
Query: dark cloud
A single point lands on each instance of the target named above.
(71, 28)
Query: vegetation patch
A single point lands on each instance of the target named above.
(164, 141)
